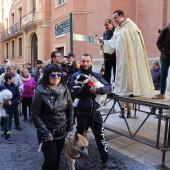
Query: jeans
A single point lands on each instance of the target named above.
(86, 121)
(52, 151)
(7, 123)
(164, 74)
(26, 102)
(109, 64)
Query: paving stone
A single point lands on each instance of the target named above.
(23, 153)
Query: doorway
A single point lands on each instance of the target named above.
(34, 49)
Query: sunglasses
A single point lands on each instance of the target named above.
(53, 76)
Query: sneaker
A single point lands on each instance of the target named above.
(18, 127)
(109, 165)
(128, 114)
(131, 95)
(153, 110)
(8, 140)
(81, 164)
(122, 116)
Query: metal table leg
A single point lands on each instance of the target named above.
(164, 149)
(158, 128)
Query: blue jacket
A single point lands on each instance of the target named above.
(85, 97)
(15, 96)
(156, 77)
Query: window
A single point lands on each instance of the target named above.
(12, 49)
(12, 19)
(20, 14)
(59, 2)
(34, 4)
(6, 23)
(20, 47)
(6, 50)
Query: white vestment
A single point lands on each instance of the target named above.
(132, 68)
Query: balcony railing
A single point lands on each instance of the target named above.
(10, 31)
(28, 18)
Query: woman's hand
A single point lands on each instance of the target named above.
(48, 140)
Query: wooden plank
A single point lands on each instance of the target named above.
(146, 100)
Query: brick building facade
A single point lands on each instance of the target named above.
(28, 27)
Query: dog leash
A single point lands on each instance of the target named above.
(40, 146)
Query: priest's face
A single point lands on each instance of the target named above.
(86, 62)
(118, 18)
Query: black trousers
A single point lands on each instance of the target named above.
(86, 121)
(26, 102)
(109, 64)
(52, 151)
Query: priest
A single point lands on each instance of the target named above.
(133, 76)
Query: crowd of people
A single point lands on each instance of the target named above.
(44, 94)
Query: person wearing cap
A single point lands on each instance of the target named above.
(30, 69)
(10, 68)
(37, 72)
(71, 67)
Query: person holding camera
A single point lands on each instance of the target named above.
(109, 59)
(52, 115)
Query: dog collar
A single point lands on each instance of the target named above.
(70, 154)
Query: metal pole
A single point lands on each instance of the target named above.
(71, 33)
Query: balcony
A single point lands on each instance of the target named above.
(11, 32)
(28, 21)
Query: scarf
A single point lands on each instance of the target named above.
(87, 72)
(60, 89)
(25, 79)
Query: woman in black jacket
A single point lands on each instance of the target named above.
(52, 114)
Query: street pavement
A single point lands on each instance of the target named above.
(23, 153)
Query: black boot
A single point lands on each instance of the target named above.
(122, 113)
(128, 113)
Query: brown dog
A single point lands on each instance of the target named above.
(76, 147)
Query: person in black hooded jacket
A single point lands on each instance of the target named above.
(52, 115)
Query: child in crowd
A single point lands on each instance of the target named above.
(9, 84)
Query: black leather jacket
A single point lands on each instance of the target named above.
(51, 111)
(107, 35)
(163, 42)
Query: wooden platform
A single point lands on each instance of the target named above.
(146, 100)
(162, 104)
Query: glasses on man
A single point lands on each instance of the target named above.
(53, 76)
(59, 56)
